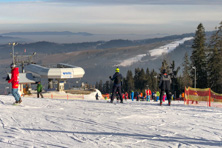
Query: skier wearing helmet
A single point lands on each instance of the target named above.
(117, 78)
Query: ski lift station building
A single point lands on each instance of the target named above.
(61, 73)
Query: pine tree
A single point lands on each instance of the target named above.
(107, 87)
(215, 61)
(181, 86)
(142, 81)
(136, 78)
(174, 84)
(124, 86)
(198, 57)
(186, 79)
(148, 78)
(153, 81)
(129, 82)
(100, 87)
(165, 66)
(110, 86)
(97, 85)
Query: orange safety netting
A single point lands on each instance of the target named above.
(105, 96)
(202, 96)
(64, 96)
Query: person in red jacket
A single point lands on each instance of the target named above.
(15, 83)
(148, 94)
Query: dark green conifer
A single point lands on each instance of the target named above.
(186, 80)
(215, 61)
(198, 57)
(129, 82)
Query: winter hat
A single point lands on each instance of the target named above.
(13, 65)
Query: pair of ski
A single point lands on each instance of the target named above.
(16, 104)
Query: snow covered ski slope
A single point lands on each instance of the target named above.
(92, 124)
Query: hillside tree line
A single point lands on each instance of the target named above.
(203, 69)
(144, 79)
(205, 62)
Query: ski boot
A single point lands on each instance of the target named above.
(15, 103)
(20, 100)
(169, 103)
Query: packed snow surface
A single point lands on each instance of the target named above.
(90, 123)
(155, 53)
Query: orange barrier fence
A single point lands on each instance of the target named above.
(105, 96)
(202, 97)
(64, 96)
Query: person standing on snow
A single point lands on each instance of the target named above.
(132, 95)
(39, 90)
(153, 95)
(148, 94)
(157, 95)
(97, 96)
(123, 95)
(15, 83)
(117, 77)
(164, 85)
(137, 95)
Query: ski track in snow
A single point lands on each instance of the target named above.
(154, 53)
(91, 123)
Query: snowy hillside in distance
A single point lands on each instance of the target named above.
(91, 123)
(155, 53)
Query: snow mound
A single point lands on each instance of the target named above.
(92, 95)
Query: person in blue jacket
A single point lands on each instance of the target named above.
(117, 78)
(132, 95)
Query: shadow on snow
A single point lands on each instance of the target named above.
(186, 140)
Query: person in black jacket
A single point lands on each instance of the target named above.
(97, 96)
(164, 85)
(117, 77)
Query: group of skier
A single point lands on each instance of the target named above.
(147, 96)
(164, 85)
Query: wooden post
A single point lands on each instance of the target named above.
(67, 97)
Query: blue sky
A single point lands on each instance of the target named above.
(109, 17)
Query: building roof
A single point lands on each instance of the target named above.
(25, 78)
(63, 71)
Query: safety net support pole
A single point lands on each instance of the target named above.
(209, 97)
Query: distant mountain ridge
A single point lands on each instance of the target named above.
(52, 48)
(100, 58)
(8, 39)
(48, 33)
